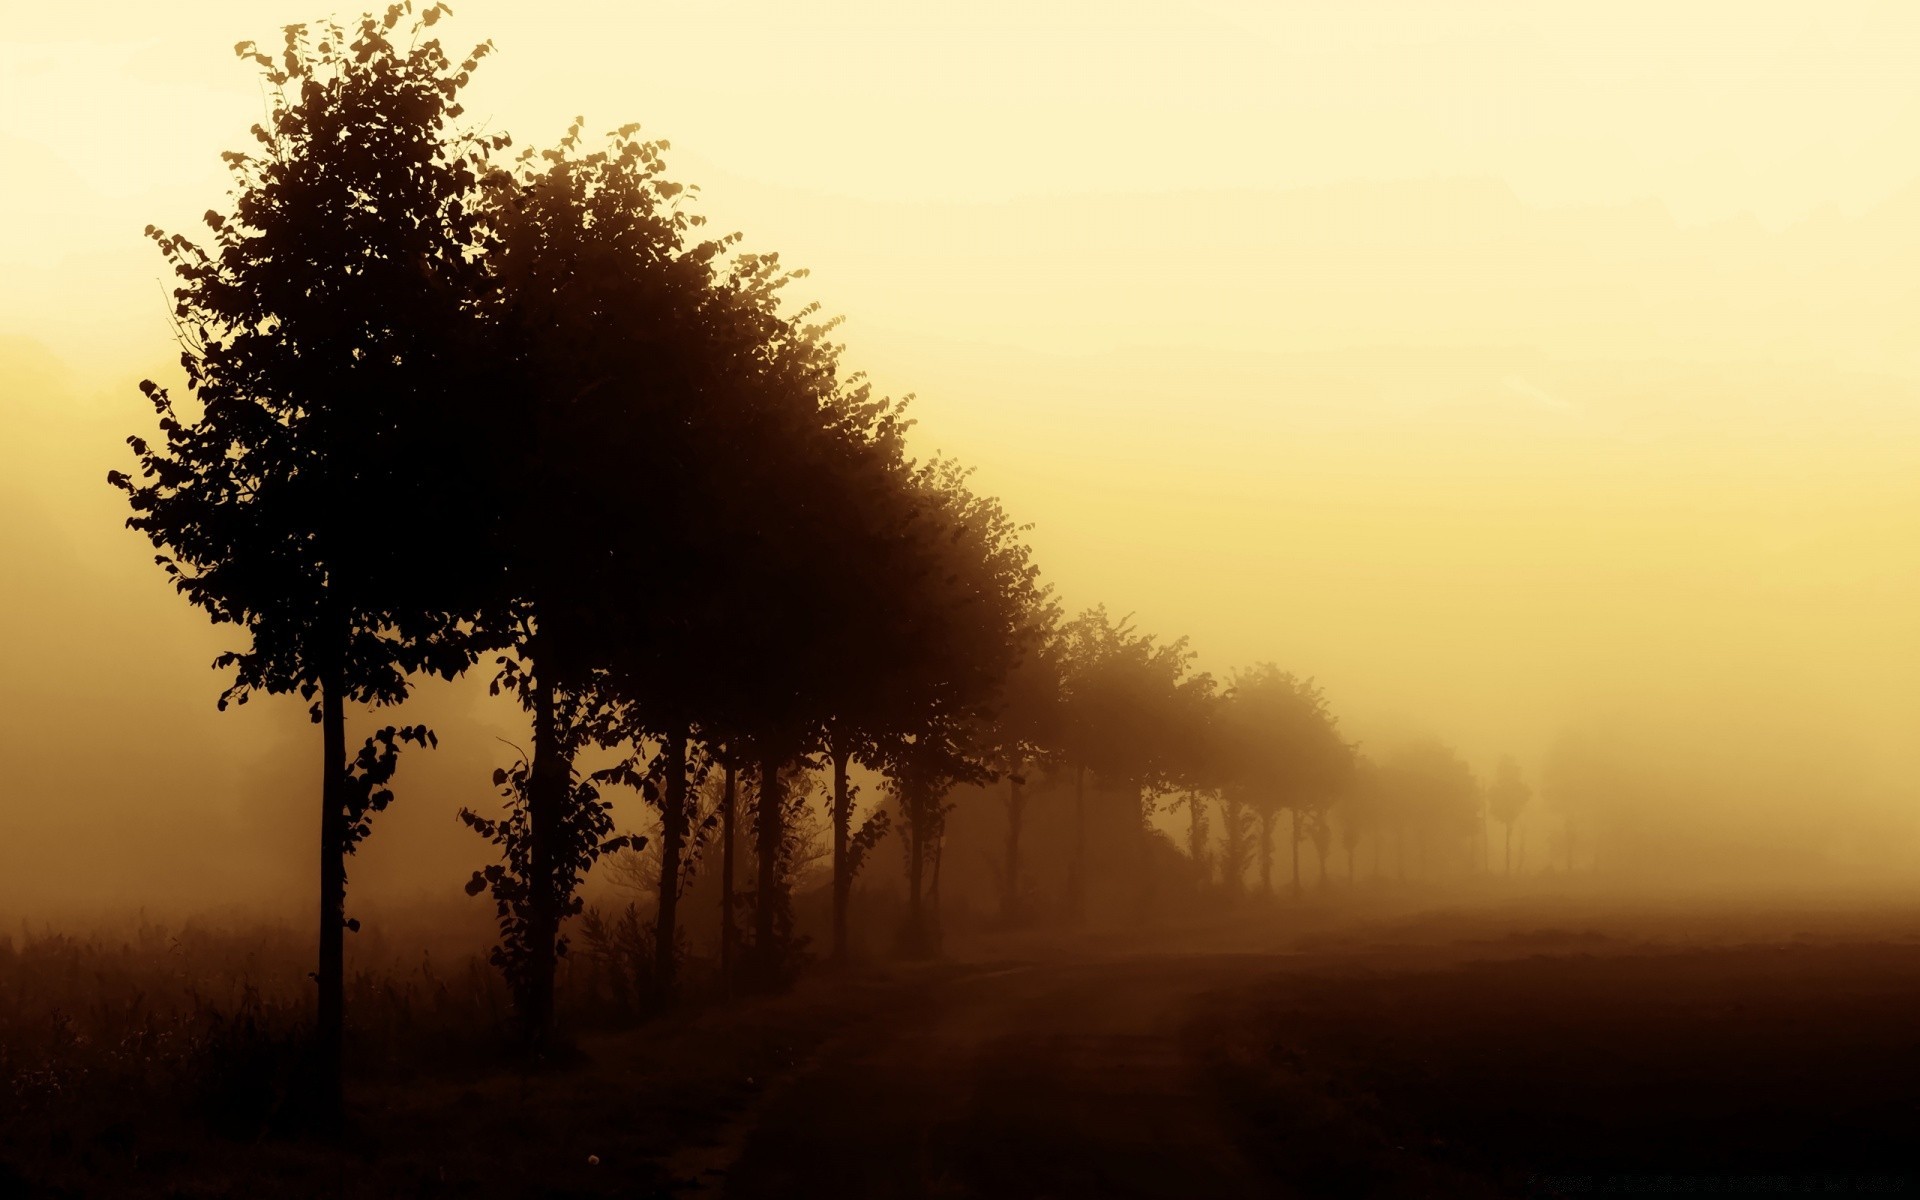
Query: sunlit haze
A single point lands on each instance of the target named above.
(1518, 371)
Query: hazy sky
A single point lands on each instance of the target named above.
(1507, 366)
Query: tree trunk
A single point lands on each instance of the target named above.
(728, 934)
(1296, 852)
(842, 864)
(931, 911)
(1509, 867)
(1320, 852)
(916, 860)
(1267, 818)
(1016, 804)
(673, 837)
(330, 1028)
(1077, 875)
(767, 833)
(547, 785)
(1196, 844)
(1143, 836)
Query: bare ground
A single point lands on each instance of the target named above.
(1473, 1052)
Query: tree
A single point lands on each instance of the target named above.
(1508, 795)
(1359, 813)
(1237, 841)
(1433, 793)
(1024, 733)
(1131, 711)
(315, 494)
(607, 356)
(1285, 754)
(990, 695)
(1199, 835)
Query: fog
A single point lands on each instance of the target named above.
(1552, 421)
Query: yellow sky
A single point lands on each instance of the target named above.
(1505, 365)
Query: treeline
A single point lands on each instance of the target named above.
(455, 406)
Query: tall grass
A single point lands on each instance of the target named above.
(213, 1023)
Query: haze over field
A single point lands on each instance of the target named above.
(1519, 376)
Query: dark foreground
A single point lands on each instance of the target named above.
(1456, 1054)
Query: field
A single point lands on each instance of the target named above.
(1494, 1048)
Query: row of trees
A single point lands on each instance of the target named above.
(449, 406)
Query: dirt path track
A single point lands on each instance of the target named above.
(1024, 1081)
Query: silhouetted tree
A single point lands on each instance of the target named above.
(1359, 812)
(1285, 754)
(1433, 793)
(602, 321)
(1131, 711)
(1237, 840)
(1199, 834)
(316, 492)
(1508, 795)
(1025, 733)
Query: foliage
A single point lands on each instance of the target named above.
(586, 827)
(312, 495)
(1281, 743)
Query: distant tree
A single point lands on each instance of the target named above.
(1025, 734)
(1199, 834)
(1508, 795)
(1433, 793)
(1584, 782)
(1359, 813)
(980, 611)
(1320, 832)
(316, 494)
(1132, 708)
(1285, 754)
(1237, 840)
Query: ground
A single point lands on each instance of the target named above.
(1492, 1050)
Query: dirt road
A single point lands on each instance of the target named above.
(1028, 1080)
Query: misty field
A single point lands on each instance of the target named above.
(1486, 1047)
(1305, 605)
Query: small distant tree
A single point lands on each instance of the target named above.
(1359, 813)
(1505, 799)
(1025, 733)
(1132, 710)
(1199, 835)
(1237, 840)
(1434, 794)
(964, 692)
(1320, 831)
(1284, 753)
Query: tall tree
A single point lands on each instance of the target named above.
(601, 321)
(315, 493)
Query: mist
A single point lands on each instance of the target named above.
(1335, 585)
